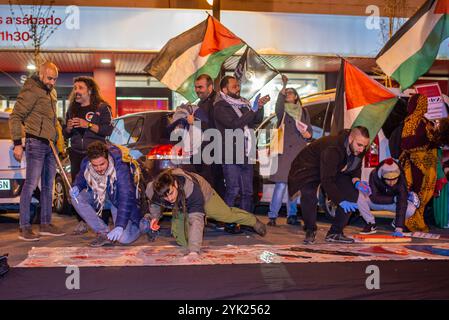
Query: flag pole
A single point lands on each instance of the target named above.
(343, 58)
(216, 13)
(58, 162)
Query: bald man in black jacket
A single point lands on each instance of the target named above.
(334, 162)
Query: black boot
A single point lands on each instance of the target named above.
(233, 228)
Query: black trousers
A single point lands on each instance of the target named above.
(309, 202)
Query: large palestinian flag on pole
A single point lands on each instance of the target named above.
(360, 101)
(202, 49)
(414, 47)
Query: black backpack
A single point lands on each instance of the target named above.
(4, 267)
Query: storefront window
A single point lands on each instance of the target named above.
(305, 84)
(11, 104)
(127, 105)
(178, 100)
(60, 112)
(3, 105)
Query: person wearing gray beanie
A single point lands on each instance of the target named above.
(388, 193)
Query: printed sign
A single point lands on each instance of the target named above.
(436, 108)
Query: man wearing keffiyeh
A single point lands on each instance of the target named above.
(105, 181)
(234, 114)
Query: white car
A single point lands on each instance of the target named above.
(12, 173)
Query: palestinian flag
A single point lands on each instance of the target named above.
(202, 49)
(414, 47)
(360, 101)
(253, 73)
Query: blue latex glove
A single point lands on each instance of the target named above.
(397, 234)
(115, 234)
(255, 106)
(74, 192)
(363, 186)
(348, 206)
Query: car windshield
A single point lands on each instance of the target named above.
(320, 117)
(127, 130)
(4, 129)
(142, 128)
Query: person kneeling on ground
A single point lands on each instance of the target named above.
(335, 162)
(388, 193)
(192, 199)
(105, 181)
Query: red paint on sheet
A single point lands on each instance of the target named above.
(79, 257)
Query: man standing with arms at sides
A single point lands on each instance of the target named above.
(36, 110)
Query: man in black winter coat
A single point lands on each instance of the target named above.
(334, 162)
(204, 89)
(388, 193)
(234, 118)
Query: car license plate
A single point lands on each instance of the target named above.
(4, 185)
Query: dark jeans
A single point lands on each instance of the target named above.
(85, 205)
(41, 165)
(239, 178)
(309, 202)
(75, 165)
